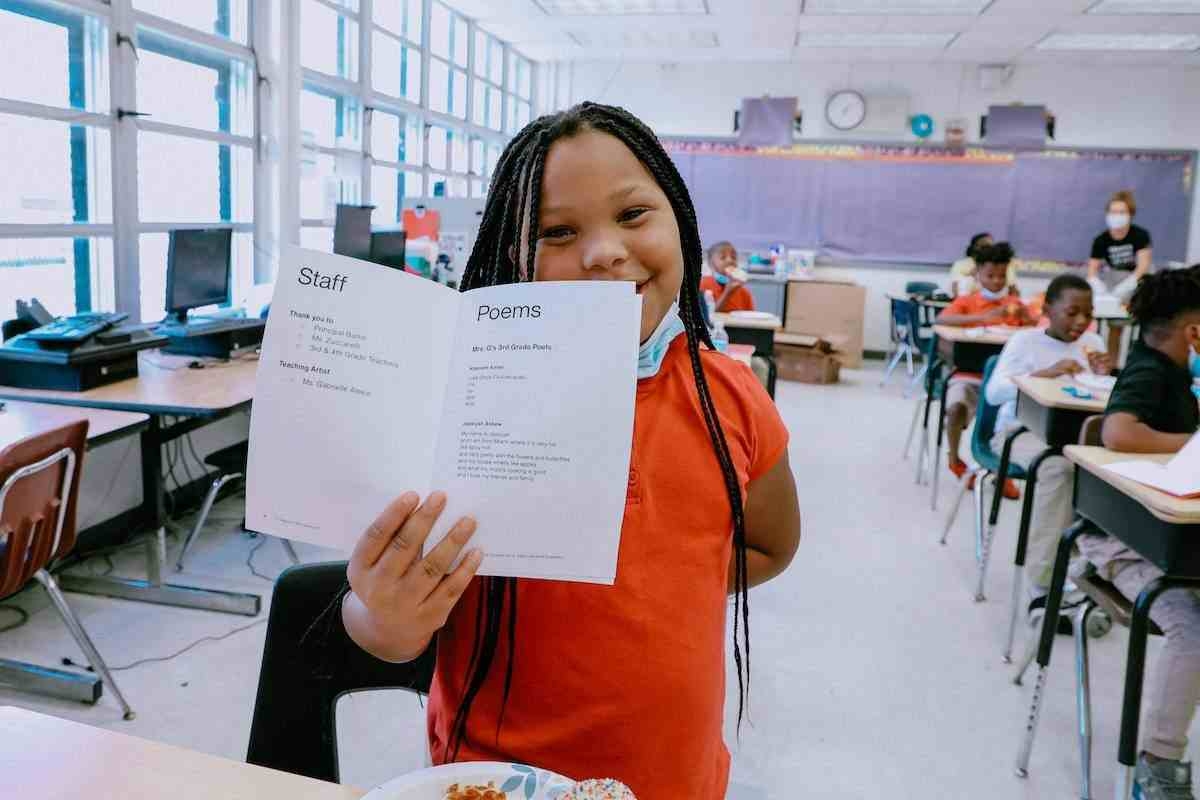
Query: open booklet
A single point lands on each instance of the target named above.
(1180, 476)
(517, 401)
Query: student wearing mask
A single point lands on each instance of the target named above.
(1121, 255)
(994, 303)
(727, 283)
(962, 272)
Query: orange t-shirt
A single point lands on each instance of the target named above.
(739, 300)
(976, 303)
(628, 681)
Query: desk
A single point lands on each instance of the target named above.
(757, 332)
(19, 420)
(52, 758)
(165, 386)
(741, 352)
(1162, 529)
(1055, 417)
(961, 349)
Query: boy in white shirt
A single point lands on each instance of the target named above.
(1064, 348)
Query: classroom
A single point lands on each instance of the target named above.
(328, 471)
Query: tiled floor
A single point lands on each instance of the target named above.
(875, 675)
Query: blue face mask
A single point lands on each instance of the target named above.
(654, 350)
(988, 294)
(721, 279)
(1194, 364)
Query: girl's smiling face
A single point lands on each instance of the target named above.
(604, 217)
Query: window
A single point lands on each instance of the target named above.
(396, 138)
(395, 68)
(328, 40)
(439, 86)
(325, 181)
(229, 19)
(66, 177)
(389, 188)
(329, 119)
(401, 17)
(187, 85)
(218, 180)
(439, 30)
(69, 275)
(54, 56)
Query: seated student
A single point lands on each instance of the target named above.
(1063, 348)
(962, 272)
(1152, 410)
(994, 303)
(728, 290)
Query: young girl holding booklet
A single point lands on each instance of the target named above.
(628, 680)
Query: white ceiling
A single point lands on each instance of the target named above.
(766, 30)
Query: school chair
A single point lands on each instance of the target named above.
(987, 468)
(39, 489)
(905, 333)
(230, 464)
(920, 288)
(934, 389)
(309, 661)
(1092, 618)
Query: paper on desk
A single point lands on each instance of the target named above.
(382, 382)
(1180, 476)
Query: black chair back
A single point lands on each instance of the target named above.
(15, 327)
(309, 661)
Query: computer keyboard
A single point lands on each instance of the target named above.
(76, 329)
(202, 327)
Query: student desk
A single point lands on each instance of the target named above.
(20, 420)
(961, 350)
(1164, 530)
(756, 332)
(1055, 417)
(165, 386)
(48, 757)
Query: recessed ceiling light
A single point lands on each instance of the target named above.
(580, 8)
(660, 39)
(1146, 7)
(895, 6)
(1120, 41)
(924, 40)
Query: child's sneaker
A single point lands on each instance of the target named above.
(959, 468)
(1162, 780)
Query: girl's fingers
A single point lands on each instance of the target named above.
(375, 539)
(443, 599)
(405, 547)
(428, 573)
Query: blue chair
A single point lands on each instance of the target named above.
(988, 461)
(910, 338)
(920, 288)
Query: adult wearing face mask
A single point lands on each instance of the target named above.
(1121, 255)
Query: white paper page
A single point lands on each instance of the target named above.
(1180, 476)
(538, 425)
(330, 449)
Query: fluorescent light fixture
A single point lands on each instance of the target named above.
(1153, 42)
(660, 39)
(972, 7)
(1146, 7)
(585, 8)
(915, 40)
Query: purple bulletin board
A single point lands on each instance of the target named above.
(911, 204)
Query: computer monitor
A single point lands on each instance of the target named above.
(352, 231)
(387, 248)
(198, 269)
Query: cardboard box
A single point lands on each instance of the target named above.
(812, 362)
(832, 311)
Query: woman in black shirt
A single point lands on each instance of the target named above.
(1120, 256)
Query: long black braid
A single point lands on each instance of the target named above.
(516, 186)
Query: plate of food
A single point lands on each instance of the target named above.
(489, 780)
(480, 780)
